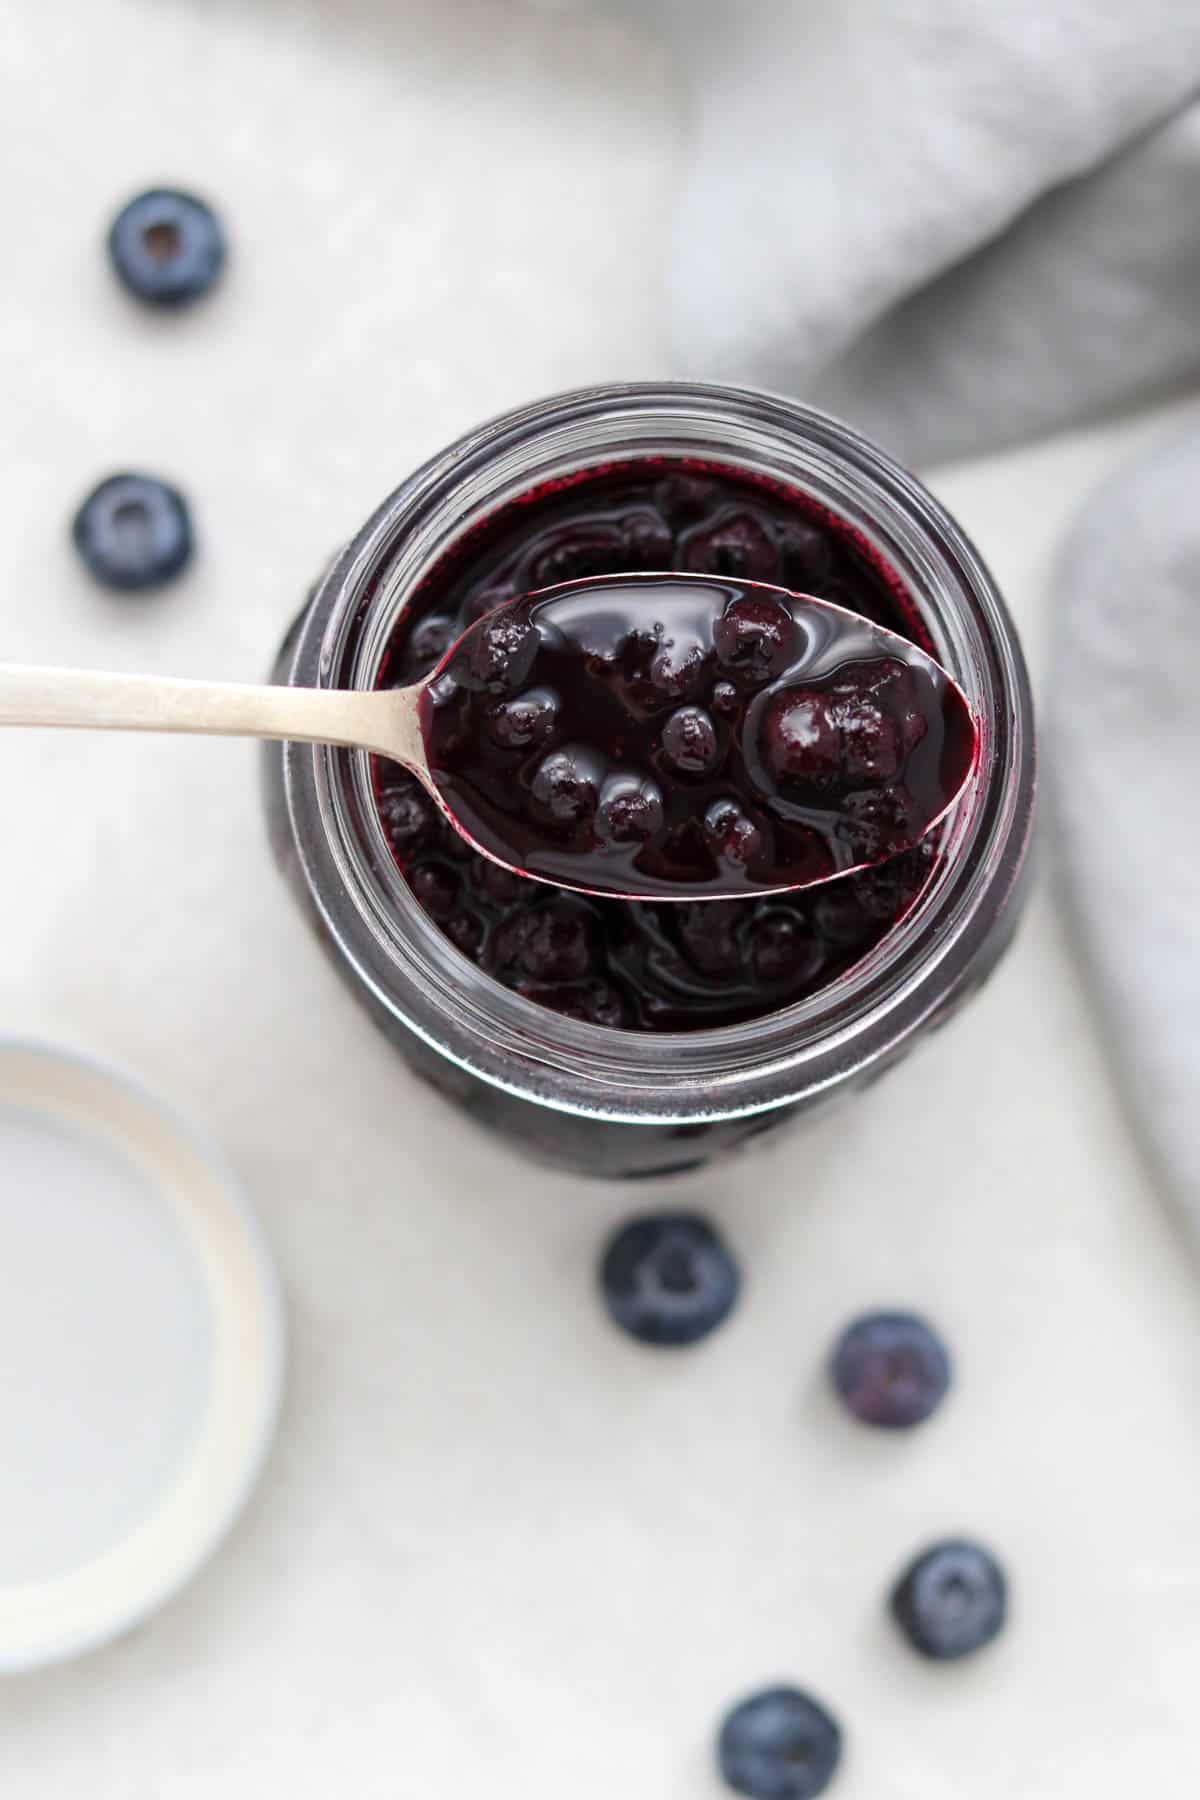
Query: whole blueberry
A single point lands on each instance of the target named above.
(133, 532)
(951, 1600)
(891, 1369)
(668, 1279)
(167, 247)
(779, 1744)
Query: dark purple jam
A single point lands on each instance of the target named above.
(644, 965)
(677, 736)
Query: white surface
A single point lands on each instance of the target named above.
(959, 223)
(498, 1550)
(141, 1351)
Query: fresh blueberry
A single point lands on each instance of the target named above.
(951, 1600)
(891, 1369)
(167, 247)
(668, 1279)
(133, 532)
(779, 1744)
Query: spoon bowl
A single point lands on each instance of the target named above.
(662, 736)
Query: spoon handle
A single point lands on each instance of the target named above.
(385, 722)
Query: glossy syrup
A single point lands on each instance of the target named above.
(643, 965)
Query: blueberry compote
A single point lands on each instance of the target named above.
(669, 736)
(643, 965)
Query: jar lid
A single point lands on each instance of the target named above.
(141, 1353)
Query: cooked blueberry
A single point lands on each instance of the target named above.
(496, 882)
(891, 1369)
(436, 887)
(134, 532)
(754, 637)
(805, 556)
(951, 1600)
(525, 721)
(801, 745)
(485, 600)
(566, 785)
(730, 833)
(706, 931)
(782, 947)
(736, 545)
(576, 551)
(167, 247)
(556, 944)
(725, 698)
(502, 652)
(464, 931)
(779, 1744)
(689, 741)
(648, 540)
(685, 498)
(604, 1006)
(675, 669)
(630, 809)
(668, 1280)
(408, 814)
(428, 643)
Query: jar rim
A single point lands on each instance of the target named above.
(474, 1021)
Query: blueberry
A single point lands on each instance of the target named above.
(565, 784)
(167, 247)
(730, 833)
(495, 882)
(133, 532)
(805, 554)
(755, 636)
(689, 741)
(706, 931)
(801, 744)
(951, 1600)
(429, 641)
(409, 816)
(525, 721)
(891, 1369)
(782, 948)
(736, 545)
(669, 1279)
(779, 1744)
(501, 653)
(555, 944)
(630, 809)
(435, 887)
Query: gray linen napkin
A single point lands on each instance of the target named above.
(1125, 784)
(952, 222)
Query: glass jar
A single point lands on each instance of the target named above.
(590, 1098)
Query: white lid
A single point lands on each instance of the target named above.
(141, 1353)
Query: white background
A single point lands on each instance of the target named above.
(498, 1549)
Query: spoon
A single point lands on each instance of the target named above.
(653, 736)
